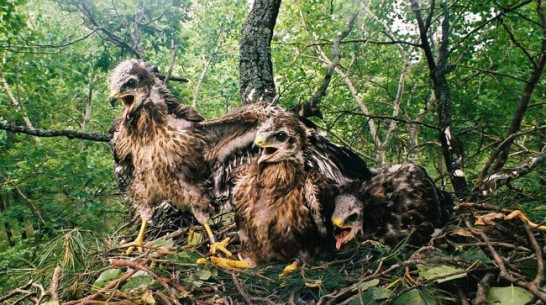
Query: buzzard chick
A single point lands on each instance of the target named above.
(282, 211)
(162, 155)
(397, 201)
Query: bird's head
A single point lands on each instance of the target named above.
(131, 82)
(281, 138)
(347, 218)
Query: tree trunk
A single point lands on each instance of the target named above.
(255, 66)
(452, 149)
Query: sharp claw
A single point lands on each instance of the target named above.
(221, 246)
(132, 246)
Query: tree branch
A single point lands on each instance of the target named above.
(506, 175)
(321, 91)
(519, 114)
(56, 133)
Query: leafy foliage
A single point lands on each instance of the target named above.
(59, 202)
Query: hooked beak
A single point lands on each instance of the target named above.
(342, 232)
(267, 151)
(128, 100)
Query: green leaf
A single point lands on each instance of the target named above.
(161, 242)
(137, 281)
(441, 270)
(203, 274)
(106, 277)
(509, 295)
(364, 286)
(196, 239)
(373, 296)
(415, 297)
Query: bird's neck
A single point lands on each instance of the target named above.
(152, 119)
(281, 174)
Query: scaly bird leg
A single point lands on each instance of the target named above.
(226, 263)
(215, 246)
(289, 269)
(139, 241)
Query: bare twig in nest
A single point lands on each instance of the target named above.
(53, 287)
(112, 284)
(163, 281)
(517, 279)
(240, 289)
(483, 206)
(483, 288)
(21, 290)
(164, 299)
(462, 296)
(524, 219)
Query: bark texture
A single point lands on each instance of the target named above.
(255, 66)
(452, 149)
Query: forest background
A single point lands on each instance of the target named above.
(456, 87)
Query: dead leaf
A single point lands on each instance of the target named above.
(488, 219)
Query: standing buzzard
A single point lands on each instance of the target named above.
(398, 201)
(166, 151)
(158, 156)
(282, 208)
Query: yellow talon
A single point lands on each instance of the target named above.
(229, 263)
(289, 269)
(221, 246)
(139, 241)
(201, 261)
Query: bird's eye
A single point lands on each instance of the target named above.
(281, 136)
(352, 218)
(131, 83)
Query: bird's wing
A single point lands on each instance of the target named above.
(231, 137)
(319, 194)
(230, 140)
(335, 162)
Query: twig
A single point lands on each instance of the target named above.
(171, 65)
(163, 281)
(240, 289)
(462, 296)
(321, 91)
(505, 274)
(20, 290)
(163, 297)
(54, 286)
(56, 133)
(111, 285)
(483, 288)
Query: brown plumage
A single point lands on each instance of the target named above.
(166, 151)
(281, 210)
(397, 201)
(160, 157)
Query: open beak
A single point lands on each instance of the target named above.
(342, 232)
(128, 101)
(267, 151)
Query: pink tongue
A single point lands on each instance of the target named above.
(339, 241)
(340, 238)
(126, 111)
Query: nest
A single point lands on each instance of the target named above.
(484, 251)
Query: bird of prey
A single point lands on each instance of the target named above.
(282, 207)
(399, 201)
(166, 151)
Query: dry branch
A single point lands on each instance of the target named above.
(56, 133)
